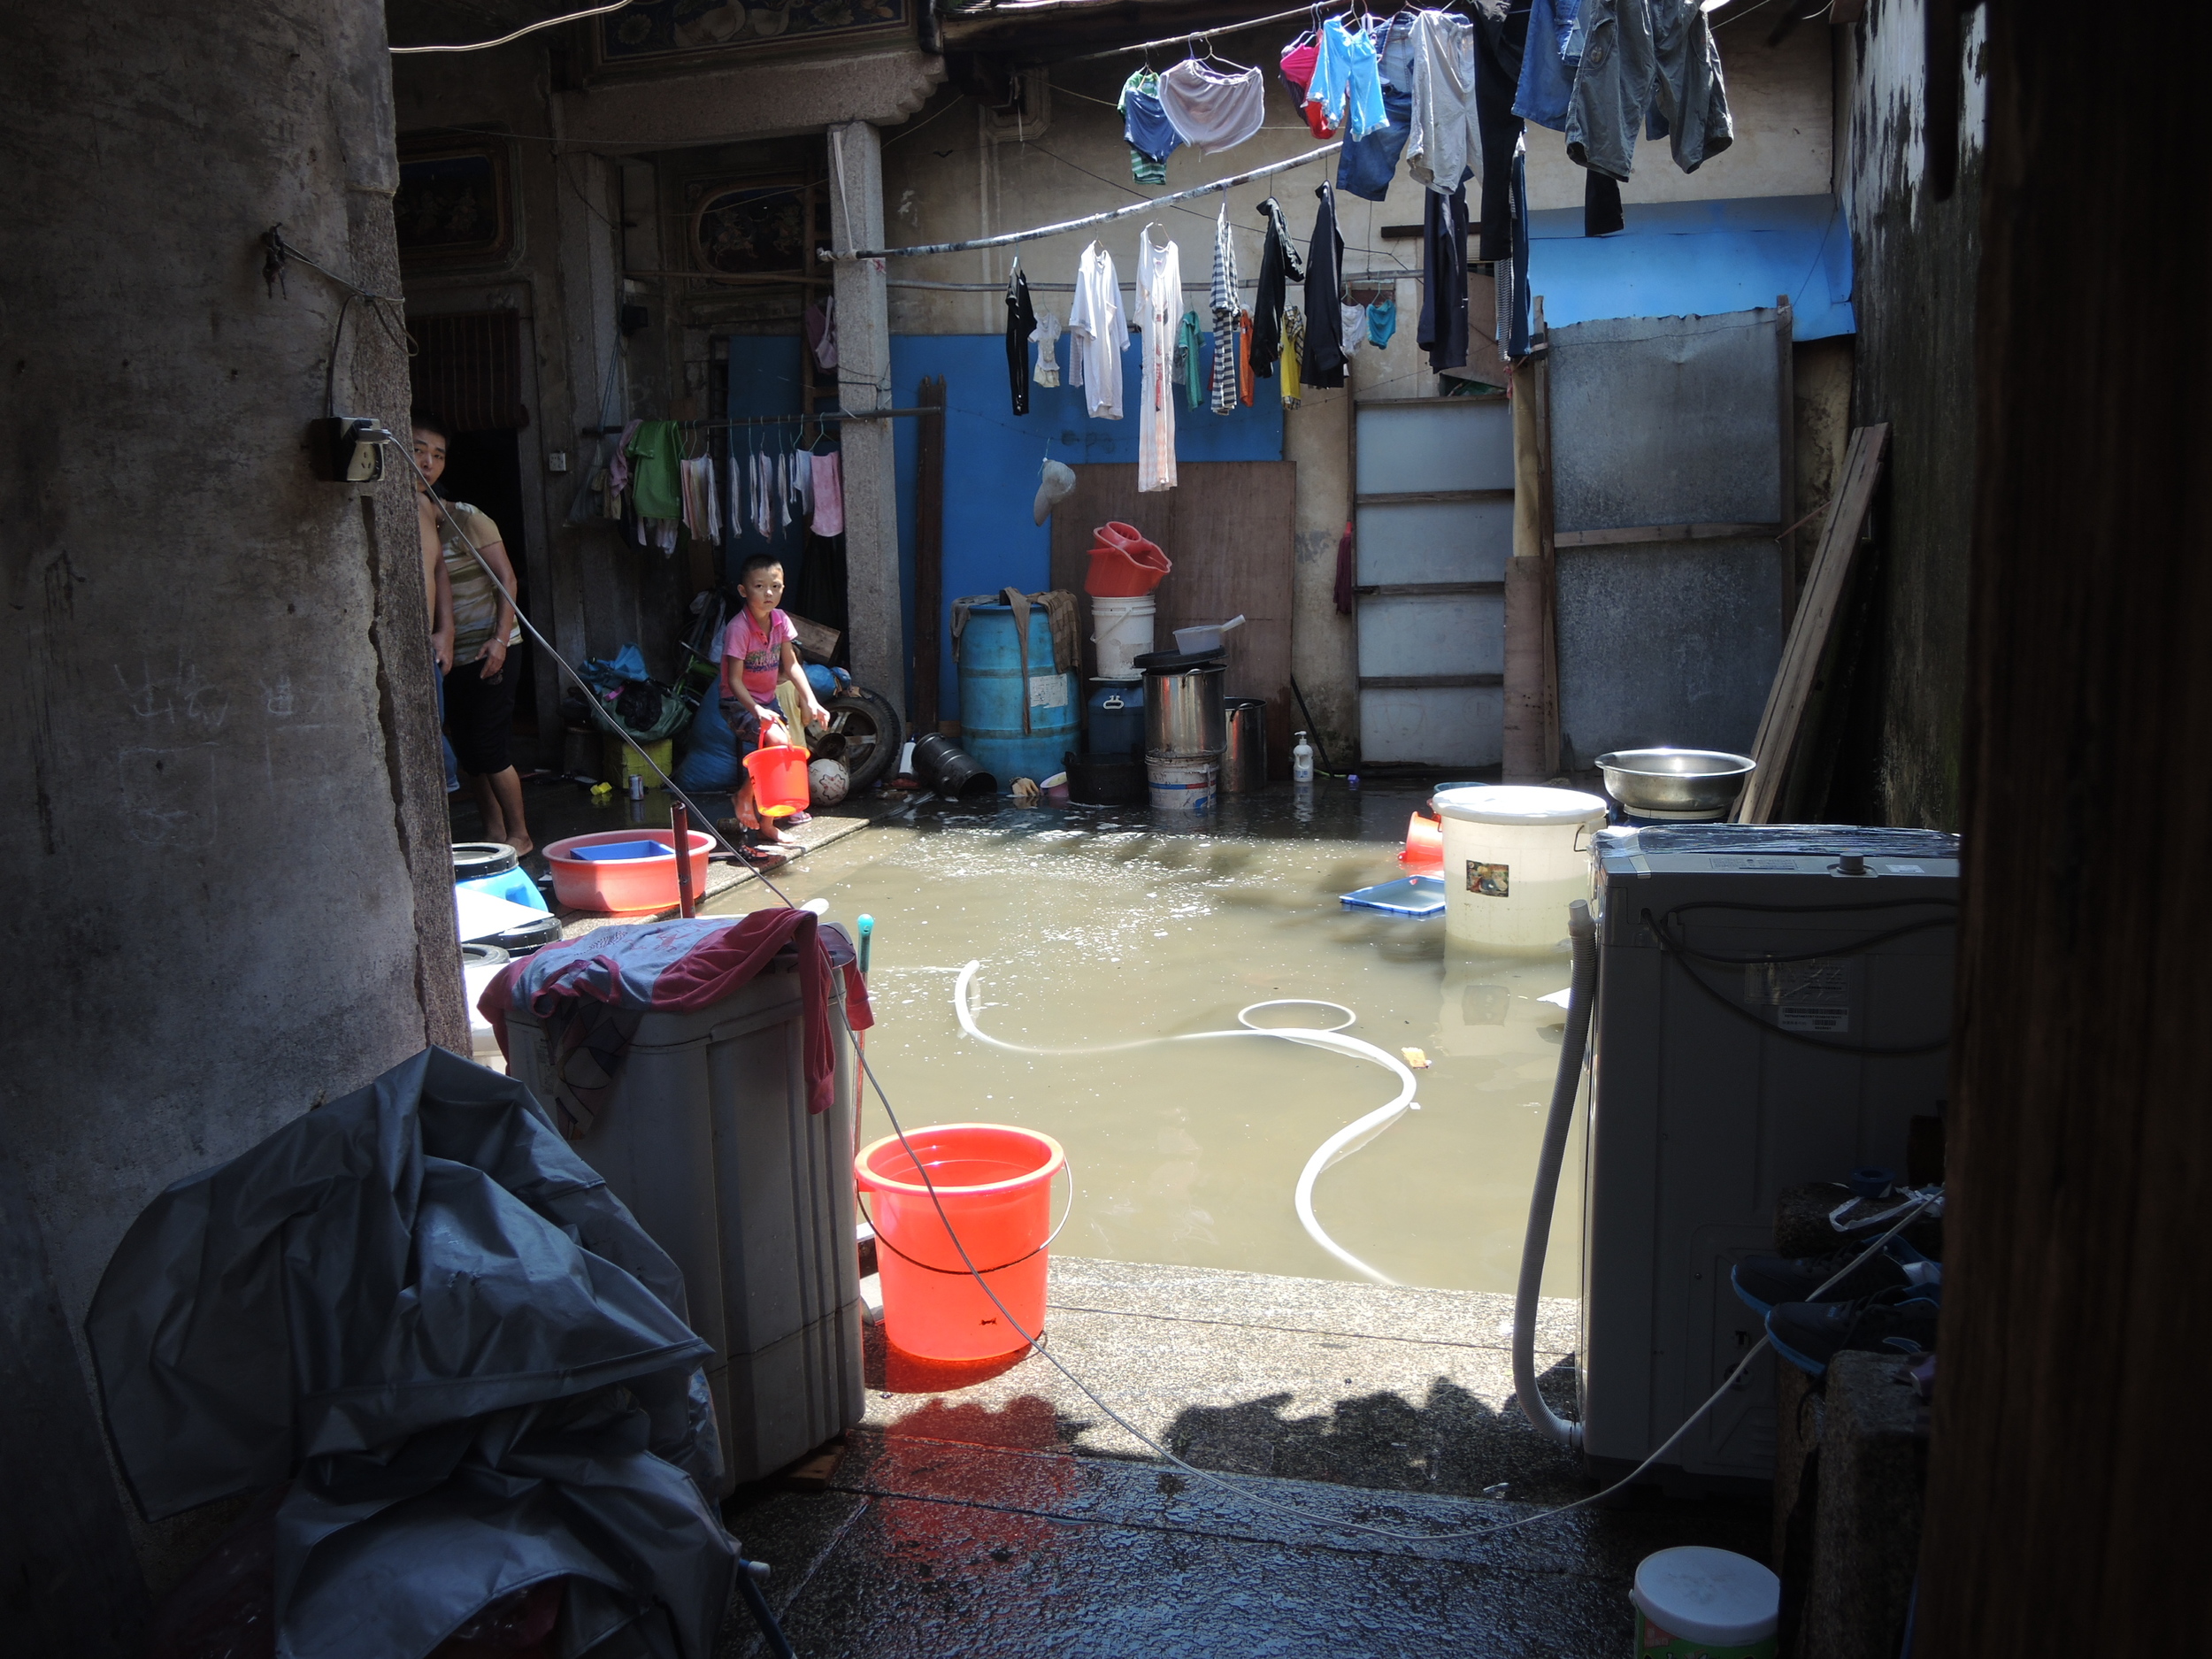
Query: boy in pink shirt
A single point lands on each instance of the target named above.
(758, 651)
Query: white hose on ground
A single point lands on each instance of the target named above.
(1341, 1145)
(1536, 1241)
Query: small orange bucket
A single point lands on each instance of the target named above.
(779, 772)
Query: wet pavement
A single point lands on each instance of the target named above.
(997, 1511)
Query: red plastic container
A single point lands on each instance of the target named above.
(1124, 565)
(1423, 854)
(994, 1185)
(624, 886)
(779, 782)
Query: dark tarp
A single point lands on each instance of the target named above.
(423, 1309)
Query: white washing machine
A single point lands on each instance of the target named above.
(1773, 1008)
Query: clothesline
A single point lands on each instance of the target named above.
(1389, 275)
(1315, 12)
(714, 425)
(1110, 214)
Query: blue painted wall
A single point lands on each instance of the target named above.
(993, 458)
(1697, 259)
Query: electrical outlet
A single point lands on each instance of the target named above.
(346, 449)
(557, 461)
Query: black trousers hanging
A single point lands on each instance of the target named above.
(1443, 330)
(1021, 320)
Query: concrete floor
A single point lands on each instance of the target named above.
(998, 1511)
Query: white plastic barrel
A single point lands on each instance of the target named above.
(1122, 630)
(1183, 784)
(1515, 856)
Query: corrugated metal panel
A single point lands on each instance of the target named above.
(467, 368)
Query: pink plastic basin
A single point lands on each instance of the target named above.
(624, 886)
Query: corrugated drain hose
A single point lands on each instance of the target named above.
(1583, 931)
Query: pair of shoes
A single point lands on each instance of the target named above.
(1808, 1335)
(1766, 1282)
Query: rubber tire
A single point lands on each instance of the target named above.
(867, 712)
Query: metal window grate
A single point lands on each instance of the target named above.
(468, 369)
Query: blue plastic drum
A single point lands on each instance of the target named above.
(992, 693)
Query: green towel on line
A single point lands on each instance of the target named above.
(656, 489)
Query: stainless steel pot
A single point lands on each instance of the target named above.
(1185, 711)
(1244, 764)
(1674, 780)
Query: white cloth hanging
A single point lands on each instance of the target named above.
(783, 490)
(1098, 334)
(1354, 321)
(1213, 111)
(1160, 305)
(1442, 143)
(1047, 336)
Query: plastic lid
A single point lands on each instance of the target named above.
(1709, 1595)
(1518, 803)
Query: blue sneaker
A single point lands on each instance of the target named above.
(1808, 1335)
(1766, 1282)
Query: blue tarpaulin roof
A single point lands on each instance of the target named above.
(1698, 259)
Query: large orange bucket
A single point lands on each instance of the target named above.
(1124, 565)
(995, 1186)
(779, 771)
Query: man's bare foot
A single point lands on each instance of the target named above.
(521, 843)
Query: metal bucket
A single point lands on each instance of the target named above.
(1244, 761)
(1184, 712)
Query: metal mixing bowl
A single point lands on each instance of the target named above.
(1674, 780)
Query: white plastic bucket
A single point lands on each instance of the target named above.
(1710, 1603)
(1122, 630)
(1515, 856)
(1182, 784)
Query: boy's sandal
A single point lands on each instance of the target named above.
(797, 818)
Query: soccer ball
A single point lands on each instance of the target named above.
(826, 781)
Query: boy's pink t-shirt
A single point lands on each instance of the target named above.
(762, 657)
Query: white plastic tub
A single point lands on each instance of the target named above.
(1515, 856)
(1183, 785)
(1123, 630)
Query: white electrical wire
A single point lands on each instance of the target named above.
(1343, 1144)
(527, 28)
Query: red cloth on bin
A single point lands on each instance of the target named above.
(595, 990)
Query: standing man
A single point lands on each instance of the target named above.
(479, 693)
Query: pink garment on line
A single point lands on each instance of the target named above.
(829, 496)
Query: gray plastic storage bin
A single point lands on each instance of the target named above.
(707, 1139)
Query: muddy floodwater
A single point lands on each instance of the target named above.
(1096, 927)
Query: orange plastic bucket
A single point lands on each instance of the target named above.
(995, 1185)
(1124, 565)
(779, 771)
(1425, 845)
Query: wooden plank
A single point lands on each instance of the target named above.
(929, 551)
(813, 1472)
(1230, 529)
(1526, 575)
(1424, 497)
(1778, 727)
(1424, 590)
(1785, 494)
(1426, 682)
(1548, 536)
(1636, 534)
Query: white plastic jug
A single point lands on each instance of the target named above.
(1515, 856)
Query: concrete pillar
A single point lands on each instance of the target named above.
(863, 377)
(229, 895)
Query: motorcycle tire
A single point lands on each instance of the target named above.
(872, 734)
